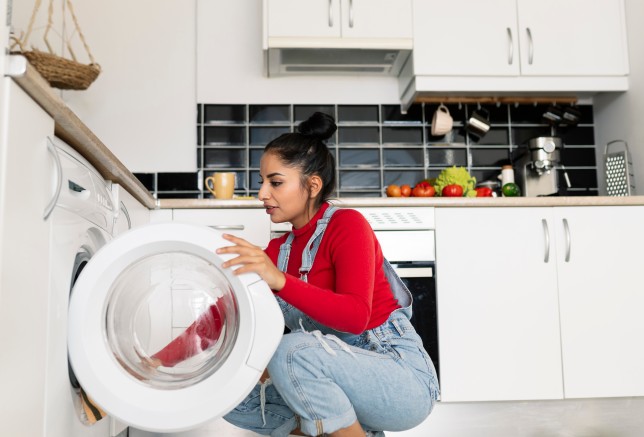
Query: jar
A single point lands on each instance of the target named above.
(507, 174)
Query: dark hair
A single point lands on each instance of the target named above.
(306, 149)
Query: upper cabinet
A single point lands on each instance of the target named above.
(572, 38)
(337, 36)
(509, 46)
(356, 23)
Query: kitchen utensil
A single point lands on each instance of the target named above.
(620, 179)
(553, 115)
(479, 122)
(442, 121)
(221, 185)
(570, 116)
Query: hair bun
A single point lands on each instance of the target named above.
(318, 125)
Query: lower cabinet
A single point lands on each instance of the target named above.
(252, 224)
(539, 303)
(601, 299)
(498, 321)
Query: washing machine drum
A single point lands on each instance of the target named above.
(161, 337)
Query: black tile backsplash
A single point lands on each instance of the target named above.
(377, 145)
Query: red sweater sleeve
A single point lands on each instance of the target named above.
(339, 292)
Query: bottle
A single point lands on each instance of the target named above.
(507, 174)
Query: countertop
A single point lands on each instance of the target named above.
(72, 130)
(422, 201)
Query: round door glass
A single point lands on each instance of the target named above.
(171, 319)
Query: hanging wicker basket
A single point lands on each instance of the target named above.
(60, 72)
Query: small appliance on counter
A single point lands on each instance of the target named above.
(537, 166)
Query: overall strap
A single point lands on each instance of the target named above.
(308, 255)
(311, 249)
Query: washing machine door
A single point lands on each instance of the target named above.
(161, 337)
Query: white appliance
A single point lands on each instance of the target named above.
(115, 301)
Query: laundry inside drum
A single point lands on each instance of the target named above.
(171, 320)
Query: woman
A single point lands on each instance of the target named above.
(352, 362)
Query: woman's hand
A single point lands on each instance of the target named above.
(252, 259)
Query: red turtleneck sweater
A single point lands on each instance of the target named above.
(347, 289)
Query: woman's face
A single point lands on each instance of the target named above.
(284, 197)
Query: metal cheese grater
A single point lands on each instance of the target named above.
(620, 180)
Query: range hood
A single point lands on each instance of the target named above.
(311, 61)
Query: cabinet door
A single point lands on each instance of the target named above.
(572, 37)
(253, 225)
(498, 319)
(463, 37)
(376, 19)
(27, 182)
(602, 298)
(303, 18)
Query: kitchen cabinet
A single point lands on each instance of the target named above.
(345, 21)
(508, 46)
(26, 188)
(601, 297)
(512, 37)
(498, 320)
(539, 303)
(252, 224)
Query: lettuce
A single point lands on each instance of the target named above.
(456, 175)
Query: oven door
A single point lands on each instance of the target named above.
(418, 276)
(160, 336)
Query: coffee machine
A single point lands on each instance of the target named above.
(537, 165)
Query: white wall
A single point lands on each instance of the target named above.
(143, 104)
(617, 115)
(230, 65)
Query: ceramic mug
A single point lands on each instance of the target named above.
(479, 122)
(221, 185)
(442, 121)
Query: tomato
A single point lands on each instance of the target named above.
(405, 190)
(453, 190)
(423, 189)
(483, 192)
(393, 190)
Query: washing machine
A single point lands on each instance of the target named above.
(145, 327)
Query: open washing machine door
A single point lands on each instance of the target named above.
(161, 337)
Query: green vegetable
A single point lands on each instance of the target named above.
(511, 190)
(458, 176)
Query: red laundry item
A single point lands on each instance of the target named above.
(201, 335)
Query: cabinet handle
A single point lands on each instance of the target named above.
(330, 13)
(530, 46)
(127, 215)
(59, 179)
(568, 239)
(351, 14)
(227, 227)
(546, 239)
(510, 47)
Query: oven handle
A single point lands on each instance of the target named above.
(414, 272)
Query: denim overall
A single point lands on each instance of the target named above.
(399, 387)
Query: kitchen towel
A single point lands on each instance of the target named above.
(91, 413)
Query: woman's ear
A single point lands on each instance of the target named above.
(315, 186)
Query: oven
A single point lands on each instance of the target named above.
(406, 235)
